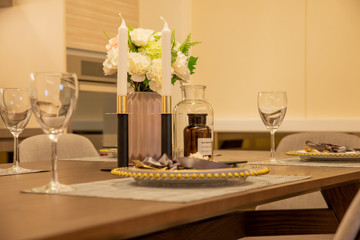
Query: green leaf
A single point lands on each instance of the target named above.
(172, 37)
(173, 56)
(107, 36)
(146, 82)
(130, 28)
(192, 63)
(174, 79)
(187, 44)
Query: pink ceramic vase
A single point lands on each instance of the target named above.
(144, 110)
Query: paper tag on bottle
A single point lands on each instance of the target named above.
(205, 146)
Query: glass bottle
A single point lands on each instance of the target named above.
(197, 136)
(193, 102)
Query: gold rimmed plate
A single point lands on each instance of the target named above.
(325, 156)
(191, 176)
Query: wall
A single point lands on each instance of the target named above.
(32, 39)
(309, 48)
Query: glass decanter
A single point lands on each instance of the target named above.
(193, 108)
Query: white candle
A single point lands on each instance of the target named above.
(122, 58)
(166, 59)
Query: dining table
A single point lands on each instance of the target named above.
(230, 216)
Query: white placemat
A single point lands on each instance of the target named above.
(125, 188)
(313, 163)
(31, 171)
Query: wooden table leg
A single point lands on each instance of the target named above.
(307, 221)
(339, 198)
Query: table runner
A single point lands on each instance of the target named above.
(312, 163)
(95, 159)
(32, 171)
(125, 188)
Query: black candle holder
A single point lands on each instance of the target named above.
(122, 132)
(166, 127)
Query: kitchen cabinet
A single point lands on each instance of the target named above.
(87, 20)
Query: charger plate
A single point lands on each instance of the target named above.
(325, 156)
(191, 176)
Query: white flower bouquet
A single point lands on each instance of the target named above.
(144, 59)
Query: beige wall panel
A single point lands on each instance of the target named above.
(31, 40)
(250, 46)
(333, 59)
(87, 20)
(176, 12)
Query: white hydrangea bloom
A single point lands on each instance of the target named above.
(138, 64)
(154, 74)
(180, 67)
(140, 36)
(111, 62)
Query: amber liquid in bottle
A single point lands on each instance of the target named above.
(197, 129)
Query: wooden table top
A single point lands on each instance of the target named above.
(38, 216)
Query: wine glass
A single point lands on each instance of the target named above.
(53, 98)
(272, 109)
(15, 111)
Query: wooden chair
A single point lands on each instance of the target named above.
(349, 227)
(38, 148)
(297, 142)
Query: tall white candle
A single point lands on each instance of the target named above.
(166, 59)
(122, 58)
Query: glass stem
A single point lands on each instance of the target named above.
(54, 175)
(272, 143)
(16, 151)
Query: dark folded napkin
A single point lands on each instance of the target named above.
(164, 162)
(321, 147)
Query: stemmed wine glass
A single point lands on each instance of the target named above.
(272, 109)
(53, 98)
(15, 111)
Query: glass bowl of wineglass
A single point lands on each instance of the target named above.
(15, 111)
(53, 98)
(272, 109)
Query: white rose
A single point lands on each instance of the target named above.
(138, 64)
(140, 36)
(138, 78)
(111, 62)
(180, 67)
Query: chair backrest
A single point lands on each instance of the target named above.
(38, 148)
(296, 141)
(350, 224)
